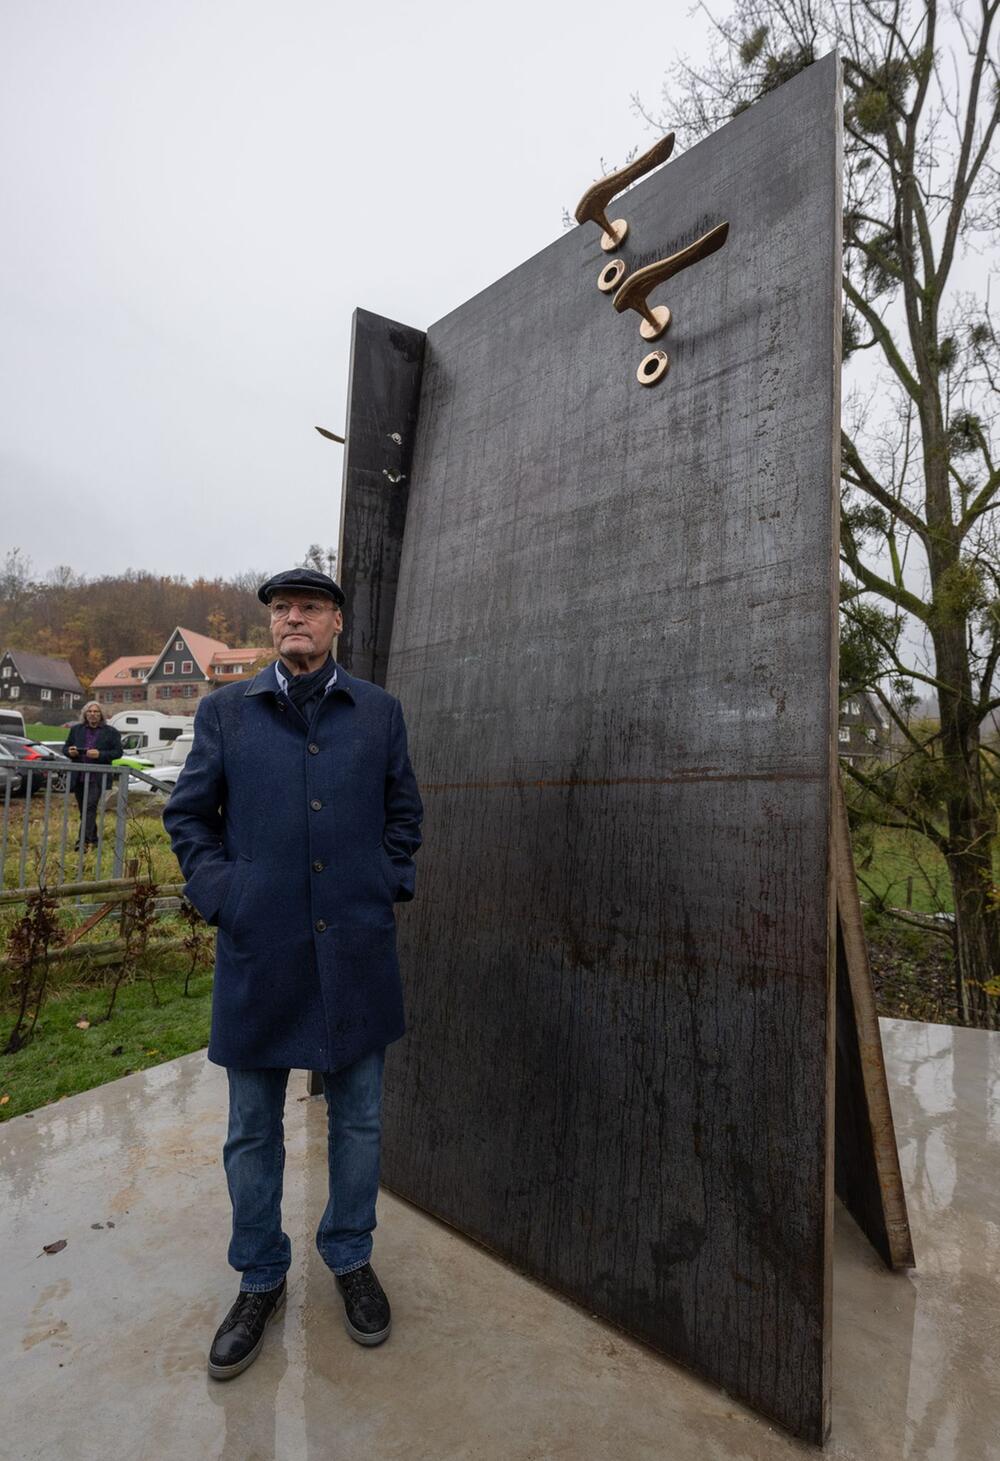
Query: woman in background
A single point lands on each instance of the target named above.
(92, 741)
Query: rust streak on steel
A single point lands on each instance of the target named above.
(544, 783)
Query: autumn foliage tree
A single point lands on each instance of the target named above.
(90, 622)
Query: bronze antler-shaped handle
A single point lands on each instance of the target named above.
(635, 292)
(591, 207)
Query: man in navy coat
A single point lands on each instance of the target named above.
(295, 821)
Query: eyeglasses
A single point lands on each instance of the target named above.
(281, 610)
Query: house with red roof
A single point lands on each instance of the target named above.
(123, 680)
(188, 667)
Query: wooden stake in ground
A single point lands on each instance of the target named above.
(868, 1178)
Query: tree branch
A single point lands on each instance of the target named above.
(965, 174)
(911, 821)
(913, 920)
(879, 329)
(871, 580)
(979, 504)
(868, 483)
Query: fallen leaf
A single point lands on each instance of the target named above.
(97, 1225)
(4, 1100)
(110, 1225)
(54, 1247)
(83, 1024)
(152, 1052)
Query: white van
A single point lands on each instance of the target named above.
(168, 765)
(11, 721)
(149, 733)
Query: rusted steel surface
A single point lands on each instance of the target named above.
(868, 1178)
(386, 363)
(615, 641)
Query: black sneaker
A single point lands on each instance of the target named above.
(239, 1337)
(366, 1308)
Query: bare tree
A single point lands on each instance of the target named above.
(17, 589)
(324, 560)
(921, 477)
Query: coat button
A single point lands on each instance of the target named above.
(320, 925)
(316, 805)
(317, 867)
(313, 749)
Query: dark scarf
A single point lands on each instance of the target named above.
(305, 690)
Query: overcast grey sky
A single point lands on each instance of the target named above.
(196, 196)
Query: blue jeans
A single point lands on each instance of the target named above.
(254, 1158)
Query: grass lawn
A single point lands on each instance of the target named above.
(885, 859)
(62, 1059)
(37, 732)
(48, 829)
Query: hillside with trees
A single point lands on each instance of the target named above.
(91, 621)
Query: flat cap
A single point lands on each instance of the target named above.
(306, 580)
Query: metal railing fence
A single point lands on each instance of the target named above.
(43, 820)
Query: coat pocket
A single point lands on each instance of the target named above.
(390, 877)
(229, 911)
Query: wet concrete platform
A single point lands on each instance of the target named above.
(104, 1342)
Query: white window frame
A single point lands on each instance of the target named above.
(187, 666)
(14, 691)
(178, 644)
(6, 672)
(45, 693)
(168, 667)
(845, 732)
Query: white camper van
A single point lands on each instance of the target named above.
(151, 734)
(166, 771)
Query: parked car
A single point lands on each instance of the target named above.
(163, 775)
(167, 771)
(20, 748)
(133, 754)
(10, 779)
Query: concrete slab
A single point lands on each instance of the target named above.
(104, 1343)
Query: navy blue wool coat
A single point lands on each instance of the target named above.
(296, 841)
